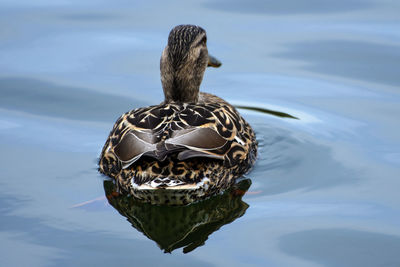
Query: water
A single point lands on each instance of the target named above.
(324, 191)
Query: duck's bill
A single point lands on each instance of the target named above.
(213, 62)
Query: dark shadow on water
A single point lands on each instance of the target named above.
(268, 111)
(286, 7)
(173, 227)
(49, 99)
(343, 247)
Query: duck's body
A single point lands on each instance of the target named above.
(189, 147)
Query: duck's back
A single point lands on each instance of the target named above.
(180, 142)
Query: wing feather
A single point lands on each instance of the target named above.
(189, 130)
(197, 139)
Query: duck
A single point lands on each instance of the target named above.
(191, 146)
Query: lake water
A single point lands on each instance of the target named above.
(325, 188)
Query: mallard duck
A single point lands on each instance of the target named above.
(191, 146)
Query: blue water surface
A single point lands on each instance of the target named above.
(324, 190)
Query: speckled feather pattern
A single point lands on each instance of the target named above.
(239, 153)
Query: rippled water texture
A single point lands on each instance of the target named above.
(318, 81)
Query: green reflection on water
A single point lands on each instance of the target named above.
(173, 227)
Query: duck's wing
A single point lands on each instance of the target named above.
(133, 145)
(189, 130)
(189, 143)
(140, 133)
(198, 142)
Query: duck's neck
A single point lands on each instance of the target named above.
(180, 82)
(180, 90)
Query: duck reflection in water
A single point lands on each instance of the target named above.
(173, 227)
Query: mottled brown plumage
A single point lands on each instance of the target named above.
(189, 147)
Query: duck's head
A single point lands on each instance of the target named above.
(183, 63)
